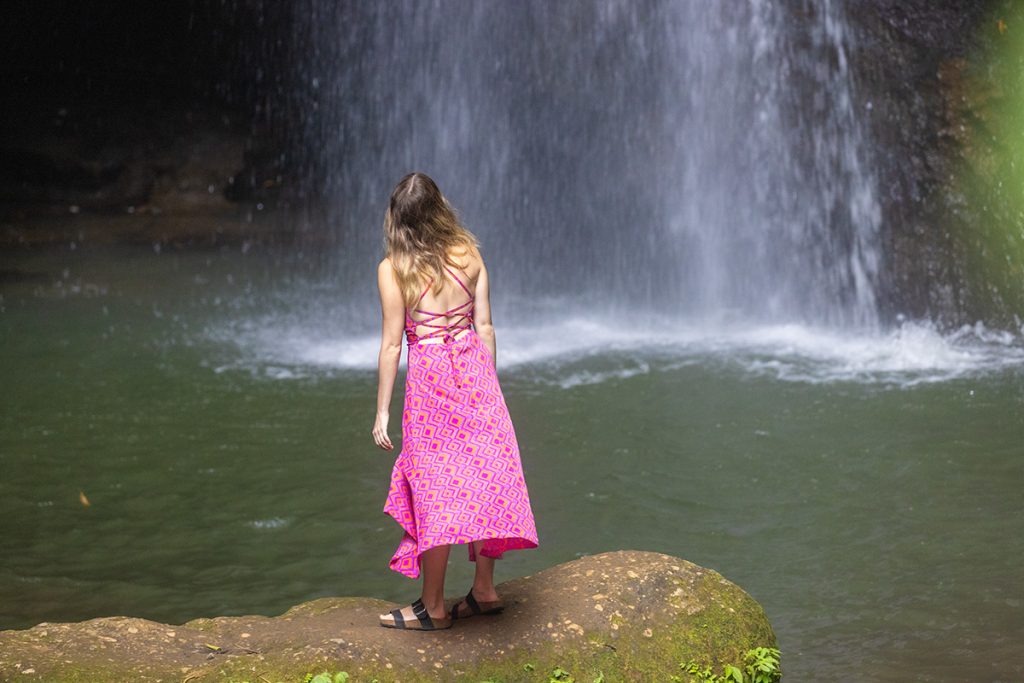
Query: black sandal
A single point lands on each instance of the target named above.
(423, 622)
(475, 607)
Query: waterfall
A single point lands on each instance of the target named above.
(776, 209)
(699, 160)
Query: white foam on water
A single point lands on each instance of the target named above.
(567, 353)
(285, 348)
(911, 354)
(272, 523)
(277, 344)
(585, 377)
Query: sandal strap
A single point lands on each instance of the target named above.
(421, 613)
(399, 619)
(473, 604)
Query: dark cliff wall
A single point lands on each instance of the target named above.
(910, 60)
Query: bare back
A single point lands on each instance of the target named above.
(454, 298)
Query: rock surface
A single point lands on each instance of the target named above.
(97, 172)
(939, 85)
(630, 615)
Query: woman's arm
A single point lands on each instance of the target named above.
(482, 312)
(392, 309)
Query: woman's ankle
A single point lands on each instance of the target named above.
(485, 590)
(435, 606)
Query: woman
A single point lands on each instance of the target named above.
(458, 478)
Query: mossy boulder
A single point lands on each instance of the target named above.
(633, 616)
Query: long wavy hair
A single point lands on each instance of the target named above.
(420, 228)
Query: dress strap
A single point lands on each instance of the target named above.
(460, 282)
(424, 292)
(463, 320)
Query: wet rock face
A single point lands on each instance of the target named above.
(135, 173)
(629, 615)
(99, 156)
(904, 62)
(943, 27)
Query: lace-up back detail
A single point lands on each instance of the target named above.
(463, 320)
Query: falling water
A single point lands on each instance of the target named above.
(776, 210)
(699, 159)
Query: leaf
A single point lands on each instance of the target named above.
(212, 647)
(322, 678)
(341, 677)
(733, 674)
(560, 675)
(528, 667)
(690, 667)
(600, 677)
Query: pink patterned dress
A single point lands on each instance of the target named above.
(458, 477)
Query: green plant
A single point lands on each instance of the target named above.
(560, 675)
(326, 677)
(761, 666)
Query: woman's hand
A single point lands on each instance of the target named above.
(380, 432)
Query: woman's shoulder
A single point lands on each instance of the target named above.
(466, 257)
(469, 261)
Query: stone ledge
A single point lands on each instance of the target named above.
(631, 615)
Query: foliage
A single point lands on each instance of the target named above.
(326, 677)
(986, 116)
(762, 666)
(560, 675)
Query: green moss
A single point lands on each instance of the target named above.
(988, 96)
(104, 672)
(716, 636)
(649, 644)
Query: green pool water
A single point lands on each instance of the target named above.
(873, 508)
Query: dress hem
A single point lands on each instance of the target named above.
(407, 563)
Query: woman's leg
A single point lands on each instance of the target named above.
(483, 580)
(433, 564)
(483, 584)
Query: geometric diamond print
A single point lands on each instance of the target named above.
(459, 477)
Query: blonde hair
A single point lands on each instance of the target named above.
(420, 228)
